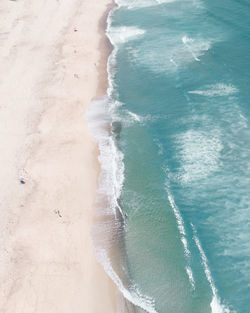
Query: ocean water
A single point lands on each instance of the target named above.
(174, 194)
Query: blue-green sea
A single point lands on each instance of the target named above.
(176, 163)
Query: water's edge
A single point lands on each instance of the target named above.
(108, 229)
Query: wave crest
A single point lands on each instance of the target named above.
(123, 34)
(216, 90)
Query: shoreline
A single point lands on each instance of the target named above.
(106, 48)
(107, 231)
(49, 258)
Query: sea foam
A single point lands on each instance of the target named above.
(216, 306)
(182, 231)
(120, 35)
(180, 52)
(196, 47)
(198, 154)
(216, 90)
(135, 4)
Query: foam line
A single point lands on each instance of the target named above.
(182, 231)
(216, 306)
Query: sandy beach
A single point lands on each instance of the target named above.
(51, 68)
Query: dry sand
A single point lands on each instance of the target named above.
(49, 62)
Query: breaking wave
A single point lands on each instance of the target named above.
(216, 306)
(134, 4)
(182, 231)
(216, 90)
(120, 35)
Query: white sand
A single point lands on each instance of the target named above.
(49, 56)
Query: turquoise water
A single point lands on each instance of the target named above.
(179, 98)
